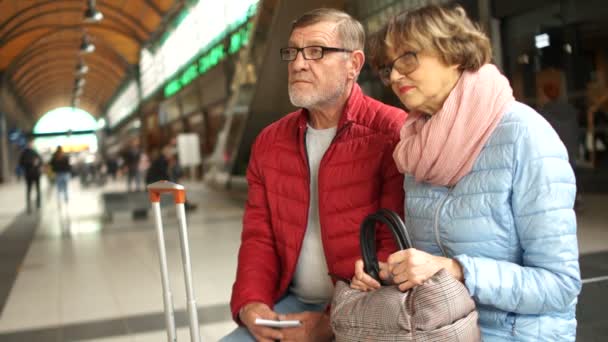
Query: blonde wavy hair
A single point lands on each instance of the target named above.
(439, 30)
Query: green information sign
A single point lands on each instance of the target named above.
(208, 60)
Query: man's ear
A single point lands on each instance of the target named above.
(356, 63)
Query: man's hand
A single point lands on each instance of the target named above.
(255, 310)
(315, 327)
(364, 282)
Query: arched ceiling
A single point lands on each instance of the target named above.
(40, 48)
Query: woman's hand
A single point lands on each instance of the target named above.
(363, 281)
(412, 267)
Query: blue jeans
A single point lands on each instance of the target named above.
(133, 177)
(287, 304)
(61, 179)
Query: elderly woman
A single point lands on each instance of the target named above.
(489, 190)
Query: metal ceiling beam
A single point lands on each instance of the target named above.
(154, 7)
(56, 98)
(61, 49)
(69, 73)
(167, 18)
(52, 45)
(14, 31)
(59, 79)
(46, 64)
(4, 41)
(60, 97)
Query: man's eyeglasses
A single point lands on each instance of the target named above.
(404, 64)
(308, 52)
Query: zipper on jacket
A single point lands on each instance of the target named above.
(338, 132)
(513, 332)
(299, 249)
(436, 225)
(307, 162)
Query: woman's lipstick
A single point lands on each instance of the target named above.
(405, 89)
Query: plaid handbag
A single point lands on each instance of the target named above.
(441, 309)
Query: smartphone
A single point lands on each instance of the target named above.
(277, 324)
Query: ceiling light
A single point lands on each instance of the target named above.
(86, 46)
(91, 14)
(542, 40)
(81, 69)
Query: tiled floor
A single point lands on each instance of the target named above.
(65, 275)
(85, 280)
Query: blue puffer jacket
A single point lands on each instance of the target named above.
(510, 224)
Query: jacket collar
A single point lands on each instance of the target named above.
(351, 111)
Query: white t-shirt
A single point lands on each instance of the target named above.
(311, 283)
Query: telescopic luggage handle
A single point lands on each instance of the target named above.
(155, 190)
(178, 191)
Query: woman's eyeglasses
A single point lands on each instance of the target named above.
(404, 64)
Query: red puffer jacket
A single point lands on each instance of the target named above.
(357, 176)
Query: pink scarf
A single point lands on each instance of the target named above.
(442, 149)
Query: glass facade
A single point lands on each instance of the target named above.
(200, 31)
(373, 14)
(562, 45)
(124, 104)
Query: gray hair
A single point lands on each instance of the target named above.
(350, 30)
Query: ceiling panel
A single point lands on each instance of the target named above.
(40, 48)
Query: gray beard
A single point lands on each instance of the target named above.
(314, 100)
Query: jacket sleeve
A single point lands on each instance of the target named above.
(392, 198)
(547, 278)
(258, 265)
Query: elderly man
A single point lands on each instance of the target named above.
(313, 176)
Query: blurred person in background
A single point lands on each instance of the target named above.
(31, 164)
(163, 168)
(160, 167)
(143, 165)
(132, 157)
(112, 166)
(563, 118)
(60, 164)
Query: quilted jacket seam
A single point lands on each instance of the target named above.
(544, 211)
(294, 198)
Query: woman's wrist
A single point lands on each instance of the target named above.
(453, 267)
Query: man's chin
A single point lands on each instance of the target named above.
(299, 103)
(300, 100)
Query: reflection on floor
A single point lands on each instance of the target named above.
(66, 275)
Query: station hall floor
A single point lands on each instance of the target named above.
(67, 275)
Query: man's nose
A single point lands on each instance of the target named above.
(300, 62)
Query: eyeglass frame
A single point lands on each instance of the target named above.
(323, 50)
(389, 67)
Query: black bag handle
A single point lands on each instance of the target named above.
(367, 238)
